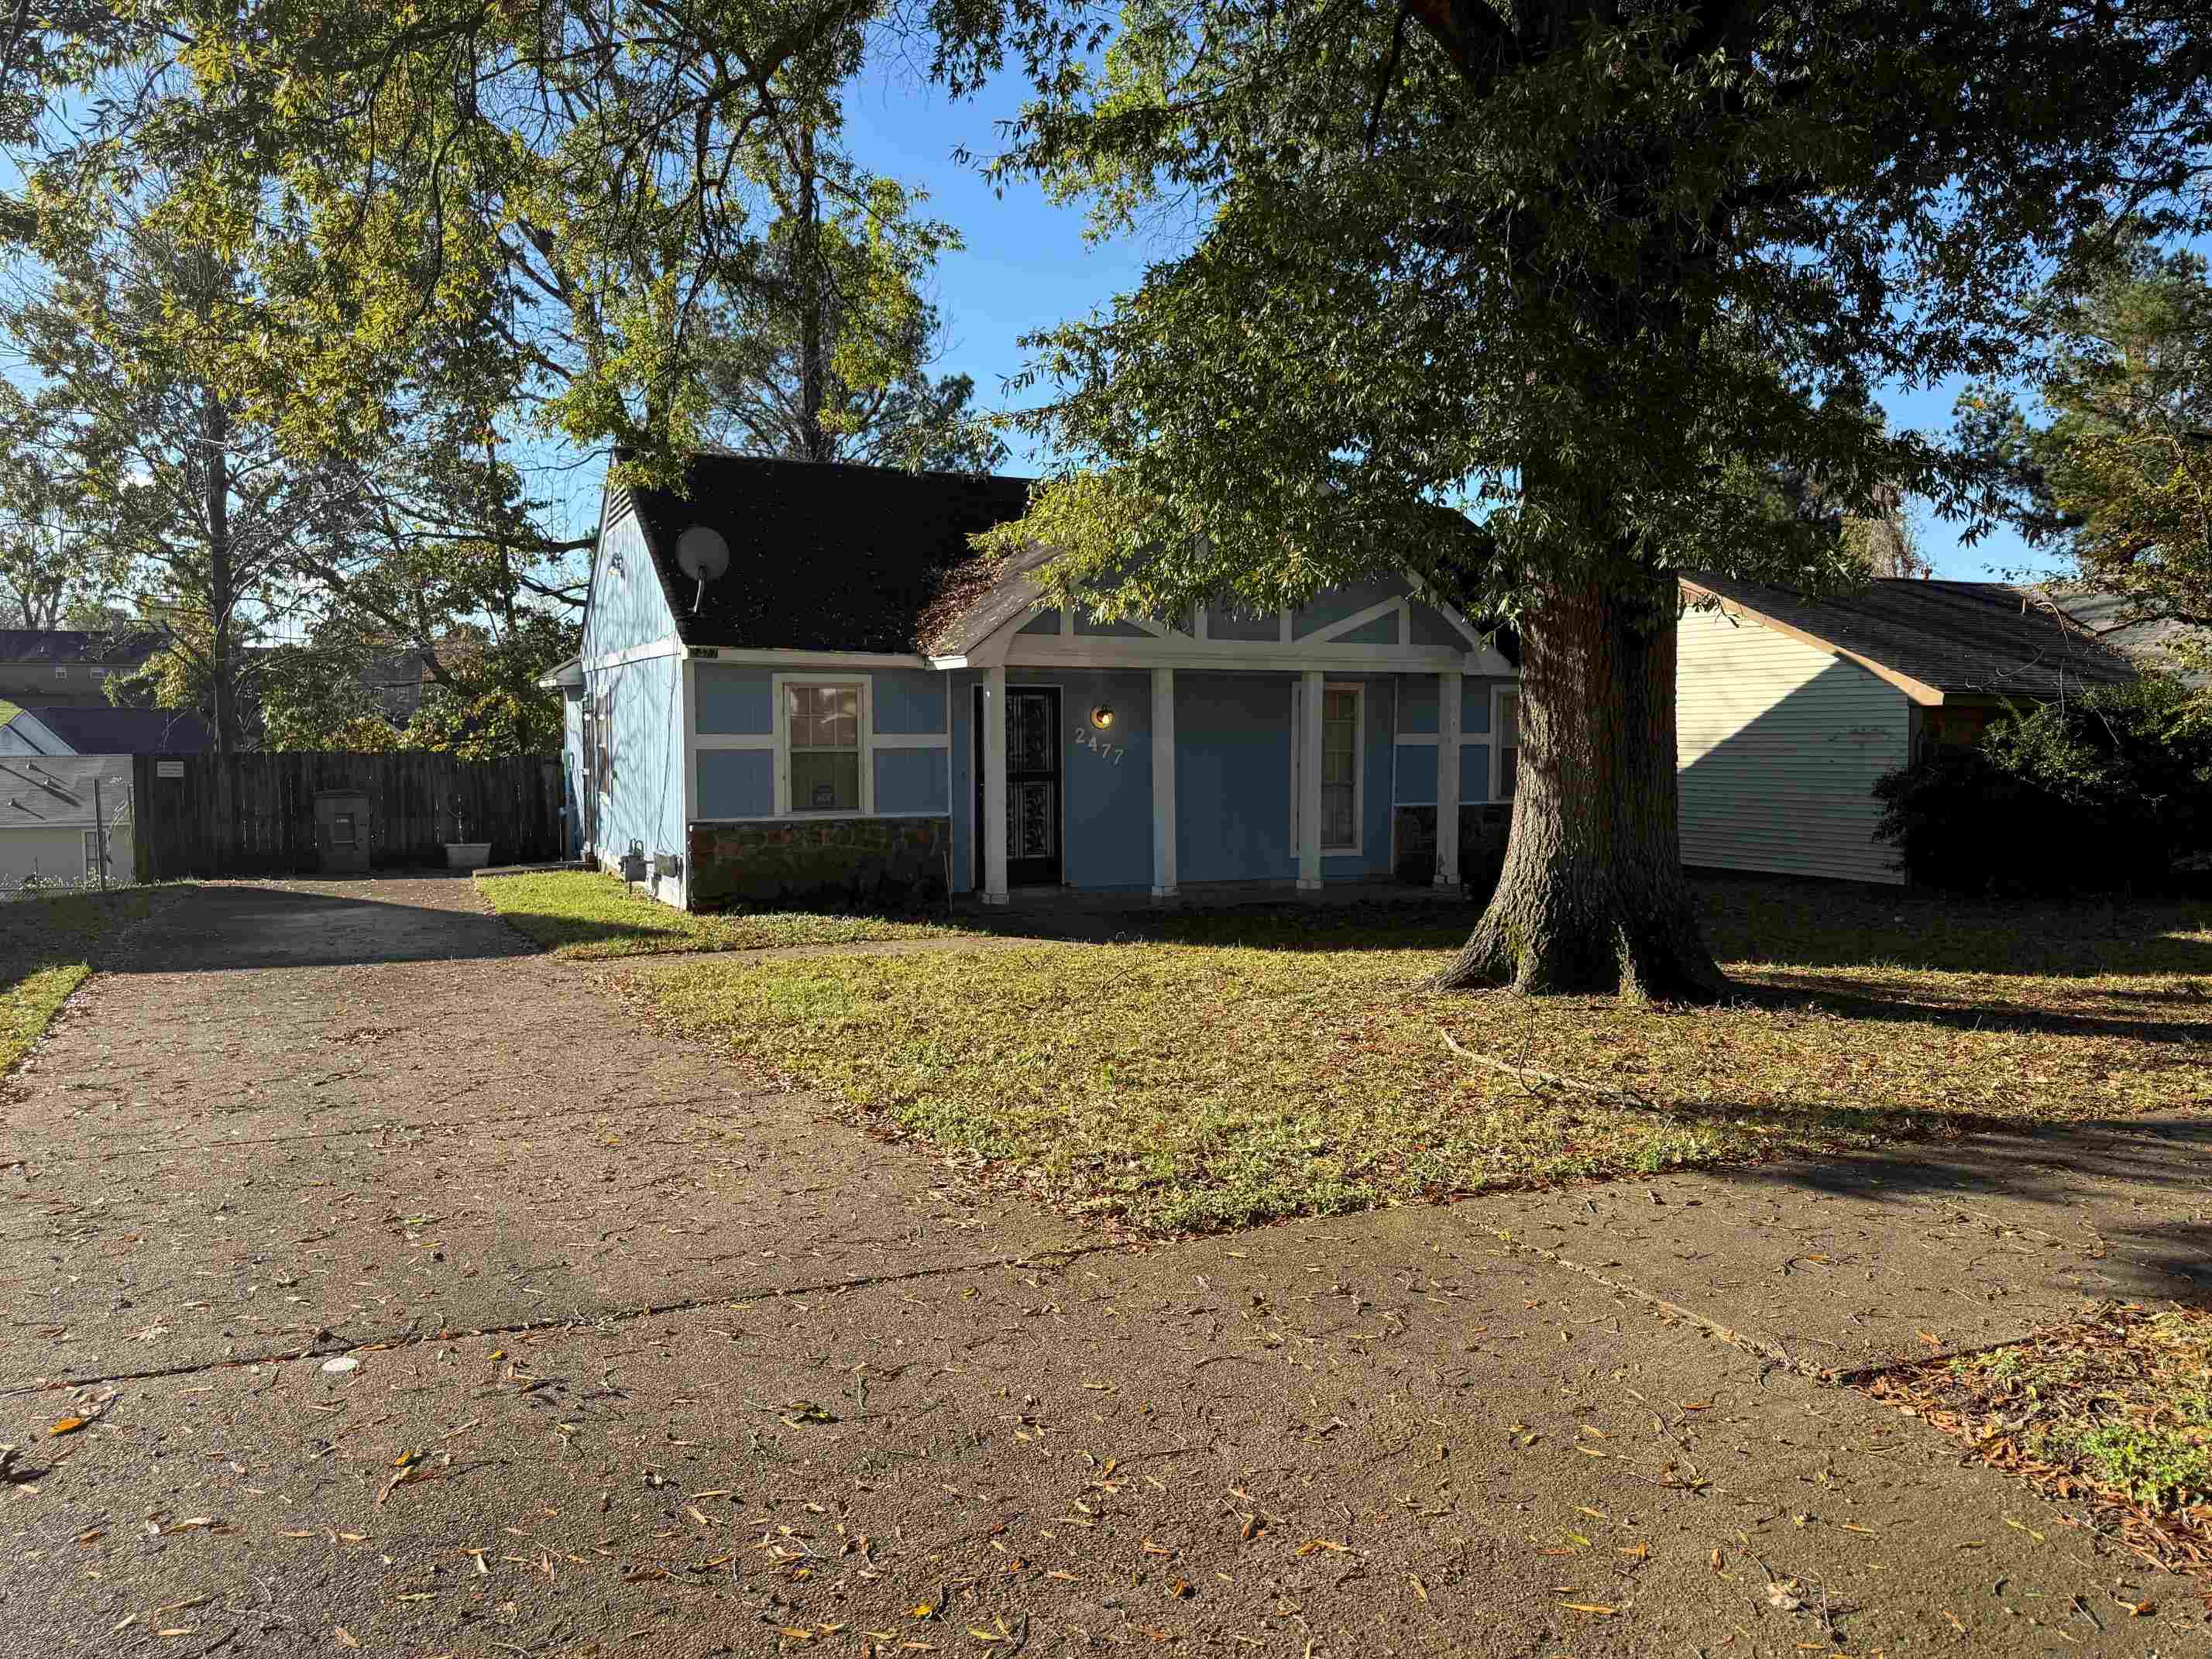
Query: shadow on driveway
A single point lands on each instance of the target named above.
(246, 925)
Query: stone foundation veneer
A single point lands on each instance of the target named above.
(839, 863)
(1483, 826)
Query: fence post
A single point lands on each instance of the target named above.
(99, 835)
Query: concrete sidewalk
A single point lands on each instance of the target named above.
(749, 1382)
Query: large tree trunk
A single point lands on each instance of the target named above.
(1592, 899)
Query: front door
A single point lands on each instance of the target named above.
(1033, 799)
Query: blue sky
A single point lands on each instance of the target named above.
(1026, 266)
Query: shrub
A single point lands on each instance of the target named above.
(2102, 793)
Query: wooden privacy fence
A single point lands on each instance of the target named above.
(246, 815)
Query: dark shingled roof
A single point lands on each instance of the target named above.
(822, 556)
(1962, 638)
(2150, 644)
(68, 645)
(127, 731)
(978, 599)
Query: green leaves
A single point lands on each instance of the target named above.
(2115, 468)
(1586, 282)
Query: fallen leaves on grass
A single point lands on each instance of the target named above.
(1172, 1082)
(2113, 1417)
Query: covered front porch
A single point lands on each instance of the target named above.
(1229, 759)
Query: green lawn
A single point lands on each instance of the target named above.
(1217, 1071)
(48, 945)
(580, 915)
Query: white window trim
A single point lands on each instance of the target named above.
(1498, 695)
(780, 713)
(1358, 689)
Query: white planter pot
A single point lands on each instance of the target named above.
(467, 855)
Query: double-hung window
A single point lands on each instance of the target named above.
(824, 751)
(1505, 726)
(1339, 768)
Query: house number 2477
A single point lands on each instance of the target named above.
(1104, 748)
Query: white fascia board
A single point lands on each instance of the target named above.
(666, 645)
(762, 657)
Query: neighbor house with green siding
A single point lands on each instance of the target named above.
(799, 683)
(1788, 706)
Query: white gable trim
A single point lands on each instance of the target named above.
(763, 657)
(666, 645)
(1357, 619)
(1037, 651)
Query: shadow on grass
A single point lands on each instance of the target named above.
(1290, 927)
(1784, 922)
(1901, 1001)
(554, 931)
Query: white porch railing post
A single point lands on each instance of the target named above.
(1448, 736)
(994, 784)
(1163, 783)
(1310, 736)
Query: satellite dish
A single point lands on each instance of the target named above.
(703, 556)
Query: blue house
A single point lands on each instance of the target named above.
(853, 707)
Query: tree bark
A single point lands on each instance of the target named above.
(221, 599)
(815, 444)
(1592, 899)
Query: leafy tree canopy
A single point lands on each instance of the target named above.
(1597, 270)
(1597, 273)
(551, 210)
(2108, 458)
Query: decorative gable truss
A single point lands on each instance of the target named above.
(1396, 633)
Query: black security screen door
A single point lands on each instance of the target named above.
(1032, 786)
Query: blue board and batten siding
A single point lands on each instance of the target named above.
(694, 740)
(737, 781)
(910, 705)
(642, 727)
(1234, 809)
(1417, 719)
(728, 700)
(1107, 813)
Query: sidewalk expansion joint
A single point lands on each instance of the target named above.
(1056, 1255)
(1773, 1352)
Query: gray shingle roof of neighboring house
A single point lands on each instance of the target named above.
(56, 793)
(69, 644)
(2148, 643)
(1938, 639)
(125, 731)
(823, 556)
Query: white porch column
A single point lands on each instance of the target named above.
(994, 784)
(1447, 710)
(1163, 783)
(1309, 735)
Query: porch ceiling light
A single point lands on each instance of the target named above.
(1102, 716)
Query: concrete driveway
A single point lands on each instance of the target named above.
(644, 1365)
